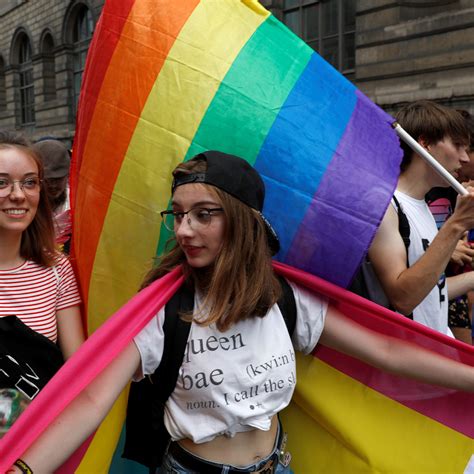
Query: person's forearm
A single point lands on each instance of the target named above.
(460, 284)
(426, 366)
(83, 415)
(416, 282)
(393, 355)
(71, 433)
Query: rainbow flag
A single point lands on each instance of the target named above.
(165, 80)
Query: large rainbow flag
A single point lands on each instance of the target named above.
(165, 80)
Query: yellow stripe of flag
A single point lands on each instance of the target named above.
(344, 439)
(179, 99)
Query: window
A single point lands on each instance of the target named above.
(49, 68)
(83, 28)
(26, 89)
(327, 26)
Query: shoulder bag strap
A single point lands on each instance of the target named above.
(287, 305)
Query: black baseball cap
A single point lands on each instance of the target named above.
(236, 177)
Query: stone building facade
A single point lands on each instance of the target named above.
(394, 50)
(403, 50)
(43, 46)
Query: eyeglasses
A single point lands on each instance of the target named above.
(30, 186)
(198, 218)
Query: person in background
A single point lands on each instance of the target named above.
(466, 173)
(56, 161)
(413, 278)
(39, 297)
(466, 176)
(442, 202)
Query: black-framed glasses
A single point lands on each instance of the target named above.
(198, 217)
(30, 186)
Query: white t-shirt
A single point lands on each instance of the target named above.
(236, 380)
(433, 310)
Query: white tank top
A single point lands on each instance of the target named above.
(433, 310)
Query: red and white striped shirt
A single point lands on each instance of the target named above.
(35, 293)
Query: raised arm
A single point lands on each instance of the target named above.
(394, 356)
(406, 286)
(82, 416)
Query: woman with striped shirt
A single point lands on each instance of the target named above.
(37, 283)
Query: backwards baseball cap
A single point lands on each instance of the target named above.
(55, 157)
(236, 177)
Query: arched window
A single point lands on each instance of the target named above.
(26, 84)
(49, 67)
(3, 88)
(327, 26)
(83, 27)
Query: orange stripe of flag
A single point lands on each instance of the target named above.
(117, 111)
(107, 38)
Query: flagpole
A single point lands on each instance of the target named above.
(414, 145)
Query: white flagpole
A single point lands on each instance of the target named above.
(414, 145)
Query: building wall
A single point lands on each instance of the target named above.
(53, 73)
(405, 50)
(410, 50)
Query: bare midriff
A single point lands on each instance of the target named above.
(244, 448)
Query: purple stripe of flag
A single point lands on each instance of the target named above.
(362, 175)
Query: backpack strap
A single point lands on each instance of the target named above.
(146, 435)
(404, 229)
(287, 305)
(176, 332)
(403, 225)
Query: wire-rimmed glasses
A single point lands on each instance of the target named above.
(30, 186)
(197, 218)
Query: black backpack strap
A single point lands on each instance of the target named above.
(404, 229)
(403, 225)
(146, 435)
(176, 332)
(287, 305)
(164, 379)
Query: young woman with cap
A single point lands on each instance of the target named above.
(238, 369)
(38, 290)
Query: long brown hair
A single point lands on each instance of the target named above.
(37, 240)
(241, 283)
